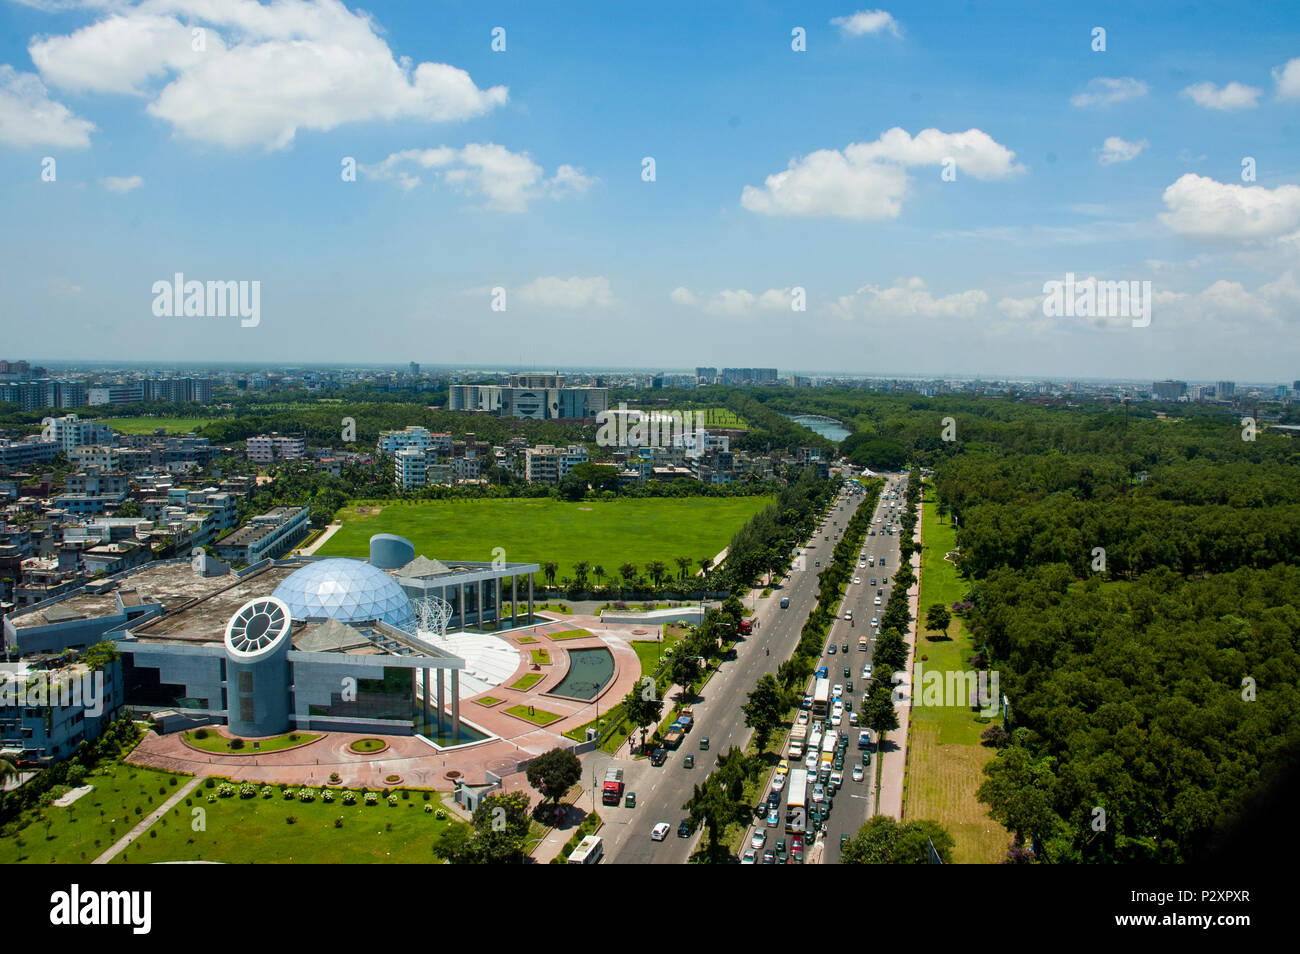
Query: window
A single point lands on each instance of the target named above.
(246, 710)
(246, 681)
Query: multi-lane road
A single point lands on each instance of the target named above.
(661, 792)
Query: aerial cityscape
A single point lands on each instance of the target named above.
(472, 434)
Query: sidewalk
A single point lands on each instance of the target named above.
(122, 843)
(893, 763)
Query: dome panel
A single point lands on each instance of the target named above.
(348, 591)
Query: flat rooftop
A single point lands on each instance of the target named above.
(204, 620)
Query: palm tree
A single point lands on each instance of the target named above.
(550, 569)
(598, 572)
(683, 563)
(706, 564)
(628, 572)
(580, 573)
(656, 571)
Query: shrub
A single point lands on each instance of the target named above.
(200, 733)
(209, 782)
(248, 790)
(326, 795)
(306, 795)
(267, 791)
(338, 822)
(428, 809)
(290, 819)
(349, 798)
(172, 781)
(994, 735)
(440, 814)
(392, 801)
(372, 798)
(236, 743)
(226, 790)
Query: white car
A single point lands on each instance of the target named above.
(810, 761)
(778, 782)
(838, 717)
(875, 621)
(758, 839)
(819, 793)
(877, 600)
(862, 564)
(837, 690)
(659, 832)
(848, 614)
(857, 773)
(803, 718)
(837, 780)
(750, 858)
(866, 671)
(857, 579)
(853, 718)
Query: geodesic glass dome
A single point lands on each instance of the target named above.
(348, 591)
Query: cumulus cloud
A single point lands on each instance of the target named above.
(1287, 79)
(683, 296)
(867, 21)
(1233, 96)
(1200, 207)
(909, 298)
(735, 302)
(122, 183)
(1115, 149)
(28, 117)
(505, 181)
(869, 180)
(575, 292)
(255, 74)
(1105, 90)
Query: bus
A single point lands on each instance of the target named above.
(588, 851)
(796, 808)
(821, 697)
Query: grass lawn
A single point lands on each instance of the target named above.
(367, 745)
(708, 416)
(946, 760)
(568, 634)
(219, 743)
(488, 701)
(541, 657)
(85, 829)
(147, 425)
(607, 533)
(527, 681)
(253, 830)
(527, 639)
(650, 651)
(538, 716)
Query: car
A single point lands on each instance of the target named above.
(857, 579)
(873, 581)
(778, 782)
(884, 579)
(810, 761)
(862, 564)
(848, 614)
(785, 602)
(882, 561)
(880, 591)
(853, 717)
(629, 800)
(837, 779)
(819, 793)
(838, 705)
(704, 743)
(749, 858)
(877, 600)
(864, 739)
(659, 832)
(858, 774)
(844, 647)
(758, 839)
(781, 853)
(872, 533)
(659, 756)
(685, 828)
(848, 687)
(866, 758)
(837, 690)
(821, 672)
(796, 843)
(773, 801)
(688, 762)
(866, 671)
(769, 857)
(782, 767)
(773, 818)
(807, 702)
(838, 717)
(830, 650)
(803, 718)
(875, 621)
(847, 672)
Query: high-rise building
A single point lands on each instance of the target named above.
(1225, 389)
(1169, 390)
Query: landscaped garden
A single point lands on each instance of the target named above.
(536, 716)
(363, 746)
(527, 681)
(210, 740)
(569, 634)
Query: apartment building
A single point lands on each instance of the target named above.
(268, 448)
(548, 464)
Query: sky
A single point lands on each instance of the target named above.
(818, 187)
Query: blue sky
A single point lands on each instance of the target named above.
(776, 170)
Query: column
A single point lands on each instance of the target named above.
(455, 704)
(478, 609)
(530, 598)
(428, 701)
(464, 616)
(496, 607)
(441, 700)
(514, 599)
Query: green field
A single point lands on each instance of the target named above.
(88, 827)
(147, 425)
(215, 742)
(536, 717)
(945, 757)
(604, 533)
(707, 416)
(256, 830)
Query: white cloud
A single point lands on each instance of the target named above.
(1233, 96)
(735, 302)
(909, 298)
(1105, 90)
(1200, 207)
(28, 117)
(867, 21)
(731, 302)
(122, 183)
(575, 292)
(683, 296)
(869, 180)
(266, 70)
(506, 181)
(1115, 149)
(1287, 79)
(1021, 307)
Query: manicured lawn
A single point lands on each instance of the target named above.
(650, 651)
(541, 657)
(255, 830)
(213, 742)
(367, 745)
(605, 533)
(708, 416)
(527, 639)
(85, 829)
(147, 425)
(569, 634)
(537, 717)
(528, 681)
(945, 758)
(488, 701)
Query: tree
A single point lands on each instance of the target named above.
(553, 773)
(501, 823)
(886, 841)
(765, 709)
(580, 570)
(891, 652)
(720, 799)
(598, 572)
(656, 571)
(642, 706)
(937, 617)
(628, 573)
(684, 669)
(683, 564)
(549, 569)
(878, 711)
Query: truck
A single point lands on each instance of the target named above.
(745, 627)
(686, 719)
(798, 735)
(673, 737)
(613, 790)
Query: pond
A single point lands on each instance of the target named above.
(589, 671)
